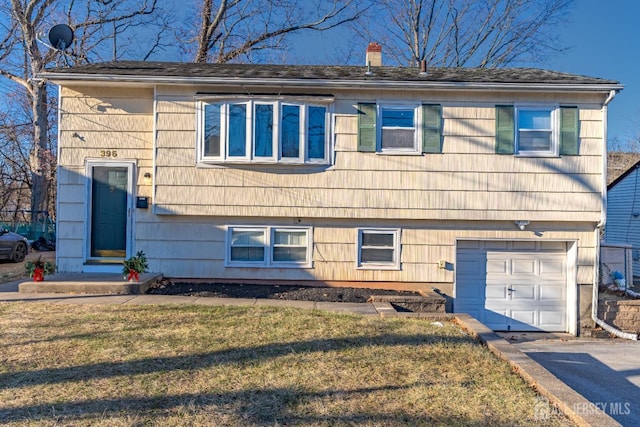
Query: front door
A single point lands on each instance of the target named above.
(109, 212)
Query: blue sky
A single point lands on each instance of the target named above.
(603, 39)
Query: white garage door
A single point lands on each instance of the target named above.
(513, 286)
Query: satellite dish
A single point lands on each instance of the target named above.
(61, 36)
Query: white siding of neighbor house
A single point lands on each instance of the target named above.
(465, 192)
(623, 200)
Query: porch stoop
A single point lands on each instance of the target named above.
(90, 283)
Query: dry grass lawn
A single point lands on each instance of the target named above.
(260, 366)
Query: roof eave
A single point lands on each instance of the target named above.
(66, 78)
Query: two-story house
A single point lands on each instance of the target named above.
(486, 184)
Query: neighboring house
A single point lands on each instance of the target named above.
(486, 184)
(623, 213)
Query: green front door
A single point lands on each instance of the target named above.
(109, 196)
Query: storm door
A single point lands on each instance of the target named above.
(109, 211)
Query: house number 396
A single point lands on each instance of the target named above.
(108, 153)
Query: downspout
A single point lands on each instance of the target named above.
(599, 227)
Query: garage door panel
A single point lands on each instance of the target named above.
(524, 316)
(523, 293)
(552, 246)
(551, 267)
(494, 245)
(497, 266)
(523, 245)
(498, 292)
(551, 320)
(534, 271)
(553, 293)
(524, 266)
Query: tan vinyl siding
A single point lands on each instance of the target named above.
(105, 122)
(93, 120)
(132, 139)
(410, 200)
(468, 180)
(90, 105)
(202, 248)
(176, 121)
(400, 214)
(467, 191)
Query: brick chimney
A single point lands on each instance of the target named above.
(374, 55)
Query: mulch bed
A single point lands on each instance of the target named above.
(282, 292)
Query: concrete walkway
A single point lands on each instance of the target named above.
(558, 391)
(11, 291)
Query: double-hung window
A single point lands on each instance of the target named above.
(263, 131)
(538, 130)
(378, 249)
(399, 128)
(269, 247)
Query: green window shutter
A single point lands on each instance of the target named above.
(505, 129)
(569, 134)
(367, 127)
(431, 128)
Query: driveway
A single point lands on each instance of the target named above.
(605, 371)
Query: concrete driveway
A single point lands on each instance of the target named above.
(605, 371)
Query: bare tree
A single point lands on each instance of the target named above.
(15, 177)
(456, 33)
(23, 54)
(235, 30)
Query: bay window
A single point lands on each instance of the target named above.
(263, 131)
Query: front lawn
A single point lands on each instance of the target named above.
(260, 366)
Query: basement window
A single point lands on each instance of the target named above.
(379, 249)
(282, 247)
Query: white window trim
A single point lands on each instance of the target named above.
(555, 130)
(275, 136)
(302, 132)
(417, 125)
(395, 265)
(224, 124)
(250, 157)
(268, 232)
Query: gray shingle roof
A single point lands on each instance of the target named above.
(132, 70)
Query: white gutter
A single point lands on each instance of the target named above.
(603, 220)
(605, 130)
(60, 78)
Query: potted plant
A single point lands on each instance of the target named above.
(38, 269)
(134, 266)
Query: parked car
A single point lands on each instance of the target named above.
(13, 247)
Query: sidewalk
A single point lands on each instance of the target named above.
(10, 292)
